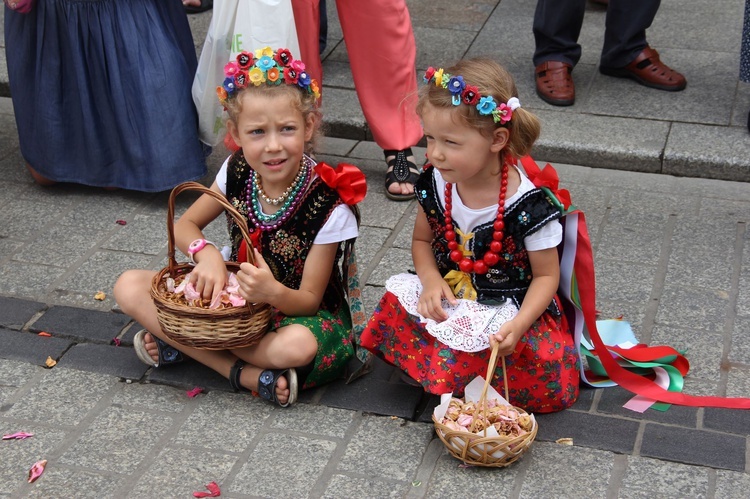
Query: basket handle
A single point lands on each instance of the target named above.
(236, 216)
(488, 379)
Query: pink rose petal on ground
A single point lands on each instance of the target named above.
(214, 491)
(120, 222)
(37, 470)
(195, 391)
(116, 341)
(21, 435)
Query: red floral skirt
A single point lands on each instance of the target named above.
(543, 371)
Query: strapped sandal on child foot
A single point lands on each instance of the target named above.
(266, 382)
(403, 171)
(168, 354)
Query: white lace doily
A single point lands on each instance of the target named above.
(469, 323)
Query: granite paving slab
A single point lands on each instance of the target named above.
(188, 375)
(15, 313)
(117, 440)
(105, 359)
(589, 430)
(550, 461)
(32, 348)
(727, 420)
(49, 400)
(81, 324)
(373, 395)
(705, 448)
(646, 477)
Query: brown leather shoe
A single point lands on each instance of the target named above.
(554, 83)
(647, 69)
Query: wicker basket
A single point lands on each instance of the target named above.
(479, 449)
(209, 329)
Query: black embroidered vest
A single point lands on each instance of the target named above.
(285, 249)
(511, 276)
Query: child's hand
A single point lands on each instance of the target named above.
(257, 281)
(210, 274)
(430, 301)
(507, 337)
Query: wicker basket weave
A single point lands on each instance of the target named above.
(208, 329)
(478, 449)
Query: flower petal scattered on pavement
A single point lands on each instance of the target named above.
(195, 391)
(37, 469)
(213, 491)
(21, 435)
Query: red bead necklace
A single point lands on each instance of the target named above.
(492, 256)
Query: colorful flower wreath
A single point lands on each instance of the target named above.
(464, 93)
(265, 66)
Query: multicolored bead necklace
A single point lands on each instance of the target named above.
(274, 221)
(492, 256)
(277, 201)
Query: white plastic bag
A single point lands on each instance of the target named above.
(236, 26)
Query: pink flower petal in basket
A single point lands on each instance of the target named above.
(190, 293)
(236, 300)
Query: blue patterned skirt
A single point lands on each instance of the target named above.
(101, 91)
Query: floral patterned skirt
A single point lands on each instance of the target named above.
(543, 372)
(334, 344)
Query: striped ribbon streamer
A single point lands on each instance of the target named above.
(578, 293)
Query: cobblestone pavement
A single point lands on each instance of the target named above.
(672, 257)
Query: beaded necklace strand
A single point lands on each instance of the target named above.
(274, 221)
(277, 201)
(492, 256)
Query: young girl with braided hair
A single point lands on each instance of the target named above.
(484, 248)
(299, 213)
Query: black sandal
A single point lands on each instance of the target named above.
(404, 171)
(266, 382)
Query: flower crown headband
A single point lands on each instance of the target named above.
(469, 95)
(265, 66)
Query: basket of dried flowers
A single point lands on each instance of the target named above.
(228, 322)
(484, 429)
